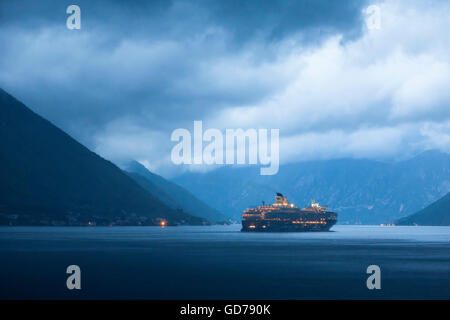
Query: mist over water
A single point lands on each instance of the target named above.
(217, 262)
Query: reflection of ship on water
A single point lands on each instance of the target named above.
(284, 216)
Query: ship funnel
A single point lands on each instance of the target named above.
(279, 198)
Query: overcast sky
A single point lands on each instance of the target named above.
(313, 69)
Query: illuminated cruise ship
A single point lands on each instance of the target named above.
(284, 216)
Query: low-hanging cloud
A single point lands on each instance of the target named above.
(133, 74)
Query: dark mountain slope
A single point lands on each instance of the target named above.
(436, 214)
(172, 194)
(45, 175)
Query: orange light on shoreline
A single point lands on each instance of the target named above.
(163, 223)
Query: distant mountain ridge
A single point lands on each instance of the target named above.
(360, 191)
(47, 177)
(436, 214)
(172, 194)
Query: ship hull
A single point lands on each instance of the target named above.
(288, 226)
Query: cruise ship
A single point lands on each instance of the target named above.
(284, 216)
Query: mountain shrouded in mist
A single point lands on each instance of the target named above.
(47, 177)
(360, 191)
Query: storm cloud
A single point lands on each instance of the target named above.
(135, 72)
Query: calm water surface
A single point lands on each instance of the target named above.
(220, 262)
